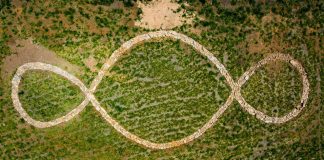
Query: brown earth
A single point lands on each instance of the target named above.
(255, 43)
(91, 63)
(161, 14)
(25, 51)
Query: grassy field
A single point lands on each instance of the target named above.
(165, 90)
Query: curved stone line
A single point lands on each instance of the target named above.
(89, 96)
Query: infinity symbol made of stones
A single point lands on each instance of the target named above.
(90, 98)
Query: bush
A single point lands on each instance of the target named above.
(4, 4)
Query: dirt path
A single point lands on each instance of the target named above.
(117, 54)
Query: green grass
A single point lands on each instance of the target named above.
(274, 91)
(144, 93)
(172, 88)
(46, 96)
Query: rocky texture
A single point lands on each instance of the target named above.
(89, 97)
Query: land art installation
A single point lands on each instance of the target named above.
(116, 55)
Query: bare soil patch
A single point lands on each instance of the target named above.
(255, 43)
(17, 3)
(161, 14)
(25, 51)
(91, 63)
(270, 18)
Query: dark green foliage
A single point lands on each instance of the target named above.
(102, 22)
(127, 3)
(100, 2)
(4, 4)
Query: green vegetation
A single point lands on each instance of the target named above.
(164, 90)
(169, 85)
(4, 4)
(274, 94)
(46, 96)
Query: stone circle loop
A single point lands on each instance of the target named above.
(90, 98)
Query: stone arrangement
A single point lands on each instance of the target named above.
(90, 98)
